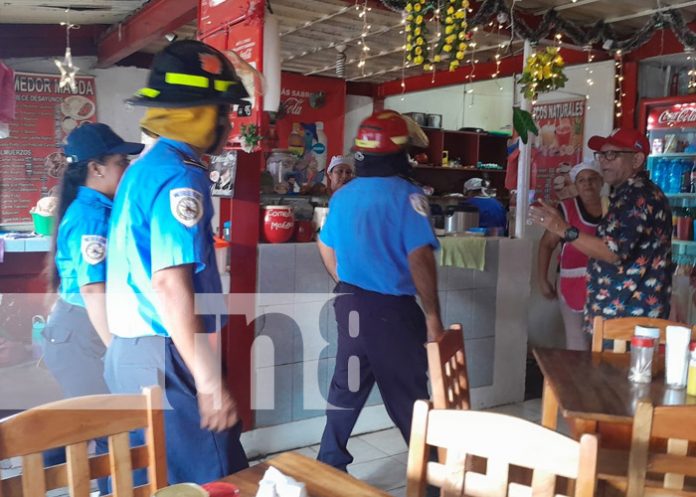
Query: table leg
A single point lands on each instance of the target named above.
(549, 407)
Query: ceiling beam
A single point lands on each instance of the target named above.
(649, 12)
(151, 22)
(47, 40)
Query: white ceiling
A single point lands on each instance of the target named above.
(310, 29)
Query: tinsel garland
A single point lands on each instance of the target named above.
(599, 32)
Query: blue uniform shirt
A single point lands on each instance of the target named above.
(373, 224)
(491, 212)
(161, 218)
(81, 244)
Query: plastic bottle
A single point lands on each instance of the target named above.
(691, 382)
(693, 177)
(657, 172)
(674, 177)
(320, 148)
(686, 176)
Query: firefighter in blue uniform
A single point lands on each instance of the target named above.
(77, 333)
(378, 243)
(162, 258)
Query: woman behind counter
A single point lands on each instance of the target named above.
(583, 212)
(76, 333)
(340, 171)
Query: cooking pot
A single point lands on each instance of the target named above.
(434, 120)
(460, 218)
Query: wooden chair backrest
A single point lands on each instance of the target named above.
(652, 470)
(503, 441)
(620, 330)
(447, 368)
(73, 423)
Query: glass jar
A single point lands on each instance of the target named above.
(641, 359)
(691, 382)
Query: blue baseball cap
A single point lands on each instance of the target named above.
(93, 140)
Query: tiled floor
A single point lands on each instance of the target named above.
(380, 457)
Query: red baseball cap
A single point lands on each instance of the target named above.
(624, 138)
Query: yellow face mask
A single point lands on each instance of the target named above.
(193, 125)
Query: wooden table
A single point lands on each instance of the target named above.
(592, 391)
(321, 480)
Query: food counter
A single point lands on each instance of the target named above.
(295, 345)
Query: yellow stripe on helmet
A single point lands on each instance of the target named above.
(176, 78)
(148, 92)
(399, 140)
(222, 85)
(366, 143)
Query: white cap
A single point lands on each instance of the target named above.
(339, 159)
(473, 184)
(592, 166)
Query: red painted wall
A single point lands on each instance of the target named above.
(296, 97)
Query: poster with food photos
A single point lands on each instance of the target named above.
(30, 163)
(558, 146)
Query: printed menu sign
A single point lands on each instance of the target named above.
(45, 115)
(558, 146)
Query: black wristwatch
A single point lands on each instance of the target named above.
(571, 234)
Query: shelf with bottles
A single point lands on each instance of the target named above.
(673, 140)
(674, 175)
(674, 155)
(684, 252)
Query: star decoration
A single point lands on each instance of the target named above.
(67, 71)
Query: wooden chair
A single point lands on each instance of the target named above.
(447, 368)
(620, 330)
(73, 423)
(653, 471)
(503, 441)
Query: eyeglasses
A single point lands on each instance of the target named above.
(611, 155)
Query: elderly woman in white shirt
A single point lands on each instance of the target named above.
(340, 171)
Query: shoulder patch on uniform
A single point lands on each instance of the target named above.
(93, 248)
(419, 204)
(186, 205)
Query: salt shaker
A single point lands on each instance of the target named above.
(641, 359)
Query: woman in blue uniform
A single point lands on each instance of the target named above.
(162, 259)
(76, 333)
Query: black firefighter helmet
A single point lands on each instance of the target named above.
(189, 73)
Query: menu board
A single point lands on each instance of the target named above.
(558, 147)
(45, 115)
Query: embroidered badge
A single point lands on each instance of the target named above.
(93, 248)
(186, 205)
(419, 204)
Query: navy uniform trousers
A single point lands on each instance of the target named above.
(74, 354)
(194, 454)
(387, 339)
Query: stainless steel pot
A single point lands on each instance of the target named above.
(434, 120)
(461, 218)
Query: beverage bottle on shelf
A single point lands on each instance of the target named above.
(658, 169)
(674, 177)
(693, 177)
(686, 176)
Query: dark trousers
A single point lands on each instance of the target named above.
(384, 343)
(194, 454)
(74, 354)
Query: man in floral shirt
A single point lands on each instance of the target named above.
(630, 266)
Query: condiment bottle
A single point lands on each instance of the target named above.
(691, 382)
(641, 359)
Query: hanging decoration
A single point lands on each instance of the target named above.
(455, 25)
(600, 32)
(543, 72)
(363, 36)
(588, 74)
(618, 87)
(691, 88)
(67, 69)
(417, 31)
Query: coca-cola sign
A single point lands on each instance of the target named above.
(676, 115)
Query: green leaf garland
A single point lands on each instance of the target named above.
(543, 72)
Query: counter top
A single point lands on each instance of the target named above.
(36, 243)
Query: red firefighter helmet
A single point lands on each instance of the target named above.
(384, 132)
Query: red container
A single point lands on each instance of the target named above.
(304, 231)
(278, 223)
